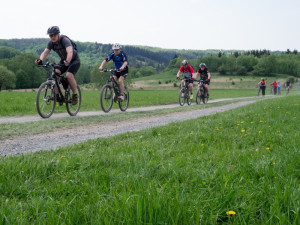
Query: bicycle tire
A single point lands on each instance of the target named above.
(45, 100)
(123, 105)
(73, 109)
(204, 98)
(198, 97)
(106, 98)
(181, 97)
(187, 96)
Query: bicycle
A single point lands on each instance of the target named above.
(201, 93)
(111, 91)
(184, 94)
(46, 96)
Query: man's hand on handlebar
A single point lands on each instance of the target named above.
(38, 62)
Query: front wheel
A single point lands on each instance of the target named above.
(106, 98)
(73, 109)
(45, 100)
(182, 97)
(123, 105)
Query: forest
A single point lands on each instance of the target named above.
(18, 71)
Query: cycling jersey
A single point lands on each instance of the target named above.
(262, 83)
(117, 59)
(187, 71)
(60, 48)
(203, 73)
(288, 83)
(274, 84)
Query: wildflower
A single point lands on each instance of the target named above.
(273, 163)
(267, 148)
(269, 126)
(260, 132)
(202, 144)
(231, 212)
(158, 134)
(252, 122)
(261, 121)
(191, 133)
(243, 130)
(62, 156)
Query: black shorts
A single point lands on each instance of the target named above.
(72, 68)
(188, 80)
(122, 73)
(206, 81)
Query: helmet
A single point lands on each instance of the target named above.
(53, 30)
(202, 65)
(116, 46)
(184, 62)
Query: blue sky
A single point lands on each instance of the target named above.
(177, 24)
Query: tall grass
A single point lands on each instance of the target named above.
(245, 160)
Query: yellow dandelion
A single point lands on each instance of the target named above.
(62, 156)
(261, 121)
(273, 163)
(158, 134)
(269, 126)
(202, 144)
(252, 122)
(267, 148)
(243, 130)
(191, 133)
(260, 132)
(231, 212)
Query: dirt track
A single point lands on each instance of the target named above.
(30, 143)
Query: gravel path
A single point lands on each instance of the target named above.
(30, 143)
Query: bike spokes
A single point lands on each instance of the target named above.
(72, 108)
(45, 100)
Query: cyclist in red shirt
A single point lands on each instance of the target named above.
(187, 70)
(274, 84)
(262, 86)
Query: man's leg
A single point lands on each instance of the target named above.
(73, 86)
(121, 84)
(206, 88)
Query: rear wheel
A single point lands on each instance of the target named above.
(198, 97)
(106, 98)
(73, 109)
(182, 97)
(123, 105)
(45, 100)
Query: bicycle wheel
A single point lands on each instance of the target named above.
(198, 97)
(187, 96)
(106, 98)
(73, 109)
(123, 105)
(182, 97)
(204, 98)
(45, 100)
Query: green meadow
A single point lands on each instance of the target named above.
(243, 162)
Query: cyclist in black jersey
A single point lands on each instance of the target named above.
(204, 74)
(69, 62)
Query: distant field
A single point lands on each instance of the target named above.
(244, 161)
(23, 103)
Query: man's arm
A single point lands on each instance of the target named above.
(102, 64)
(43, 56)
(123, 66)
(69, 55)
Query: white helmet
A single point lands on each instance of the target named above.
(184, 62)
(116, 46)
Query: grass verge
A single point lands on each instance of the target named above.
(194, 172)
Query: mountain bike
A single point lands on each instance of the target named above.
(110, 93)
(46, 98)
(184, 94)
(201, 93)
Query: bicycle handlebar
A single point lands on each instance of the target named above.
(47, 64)
(110, 70)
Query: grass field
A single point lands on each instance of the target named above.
(245, 160)
(23, 103)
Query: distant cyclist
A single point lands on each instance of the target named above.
(274, 84)
(204, 75)
(262, 86)
(120, 62)
(69, 58)
(188, 71)
(287, 86)
(278, 88)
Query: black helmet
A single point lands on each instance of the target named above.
(202, 65)
(53, 30)
(184, 62)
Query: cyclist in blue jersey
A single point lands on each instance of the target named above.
(120, 62)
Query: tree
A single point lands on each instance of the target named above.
(7, 78)
(83, 76)
(22, 79)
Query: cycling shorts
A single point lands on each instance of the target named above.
(122, 73)
(72, 68)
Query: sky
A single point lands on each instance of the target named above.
(172, 24)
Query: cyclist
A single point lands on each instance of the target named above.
(287, 86)
(188, 71)
(278, 88)
(204, 75)
(262, 86)
(70, 61)
(274, 84)
(120, 62)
